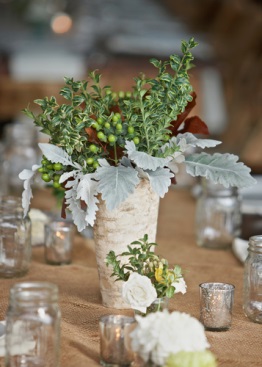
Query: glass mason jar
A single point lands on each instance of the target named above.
(159, 304)
(218, 216)
(21, 151)
(33, 325)
(15, 238)
(252, 295)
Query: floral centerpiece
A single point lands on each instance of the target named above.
(105, 143)
(171, 340)
(146, 277)
(114, 155)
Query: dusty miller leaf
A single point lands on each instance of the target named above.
(220, 168)
(160, 180)
(178, 159)
(56, 154)
(66, 175)
(28, 176)
(144, 160)
(116, 184)
(126, 162)
(74, 204)
(103, 163)
(195, 142)
(87, 191)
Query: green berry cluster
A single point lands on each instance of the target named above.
(111, 129)
(51, 172)
(93, 153)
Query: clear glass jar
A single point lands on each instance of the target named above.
(252, 295)
(33, 325)
(21, 151)
(15, 238)
(159, 304)
(218, 216)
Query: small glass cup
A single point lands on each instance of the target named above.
(58, 243)
(216, 303)
(115, 343)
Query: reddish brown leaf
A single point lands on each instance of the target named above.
(194, 125)
(111, 152)
(92, 135)
(115, 109)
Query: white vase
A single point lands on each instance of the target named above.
(114, 230)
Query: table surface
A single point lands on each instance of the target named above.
(80, 300)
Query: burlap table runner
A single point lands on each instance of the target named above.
(80, 300)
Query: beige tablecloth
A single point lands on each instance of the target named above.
(80, 300)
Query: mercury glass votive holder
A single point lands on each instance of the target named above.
(115, 342)
(216, 304)
(58, 242)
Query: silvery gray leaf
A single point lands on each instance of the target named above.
(144, 160)
(78, 214)
(160, 180)
(195, 142)
(126, 162)
(56, 154)
(87, 191)
(116, 184)
(74, 205)
(220, 168)
(28, 176)
(65, 176)
(141, 173)
(103, 162)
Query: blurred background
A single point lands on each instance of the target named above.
(41, 41)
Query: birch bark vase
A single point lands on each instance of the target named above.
(114, 230)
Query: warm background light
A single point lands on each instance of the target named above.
(61, 23)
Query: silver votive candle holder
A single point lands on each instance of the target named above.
(216, 304)
(58, 242)
(115, 342)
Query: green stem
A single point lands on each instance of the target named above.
(115, 154)
(144, 124)
(159, 304)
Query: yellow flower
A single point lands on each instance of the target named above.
(158, 275)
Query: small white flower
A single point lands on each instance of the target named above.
(159, 334)
(139, 292)
(180, 285)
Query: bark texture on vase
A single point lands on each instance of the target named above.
(114, 230)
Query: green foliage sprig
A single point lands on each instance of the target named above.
(96, 122)
(142, 260)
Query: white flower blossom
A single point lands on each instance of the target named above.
(159, 334)
(139, 292)
(180, 285)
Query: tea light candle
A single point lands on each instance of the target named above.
(216, 303)
(115, 348)
(58, 243)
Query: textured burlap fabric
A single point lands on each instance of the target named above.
(80, 300)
